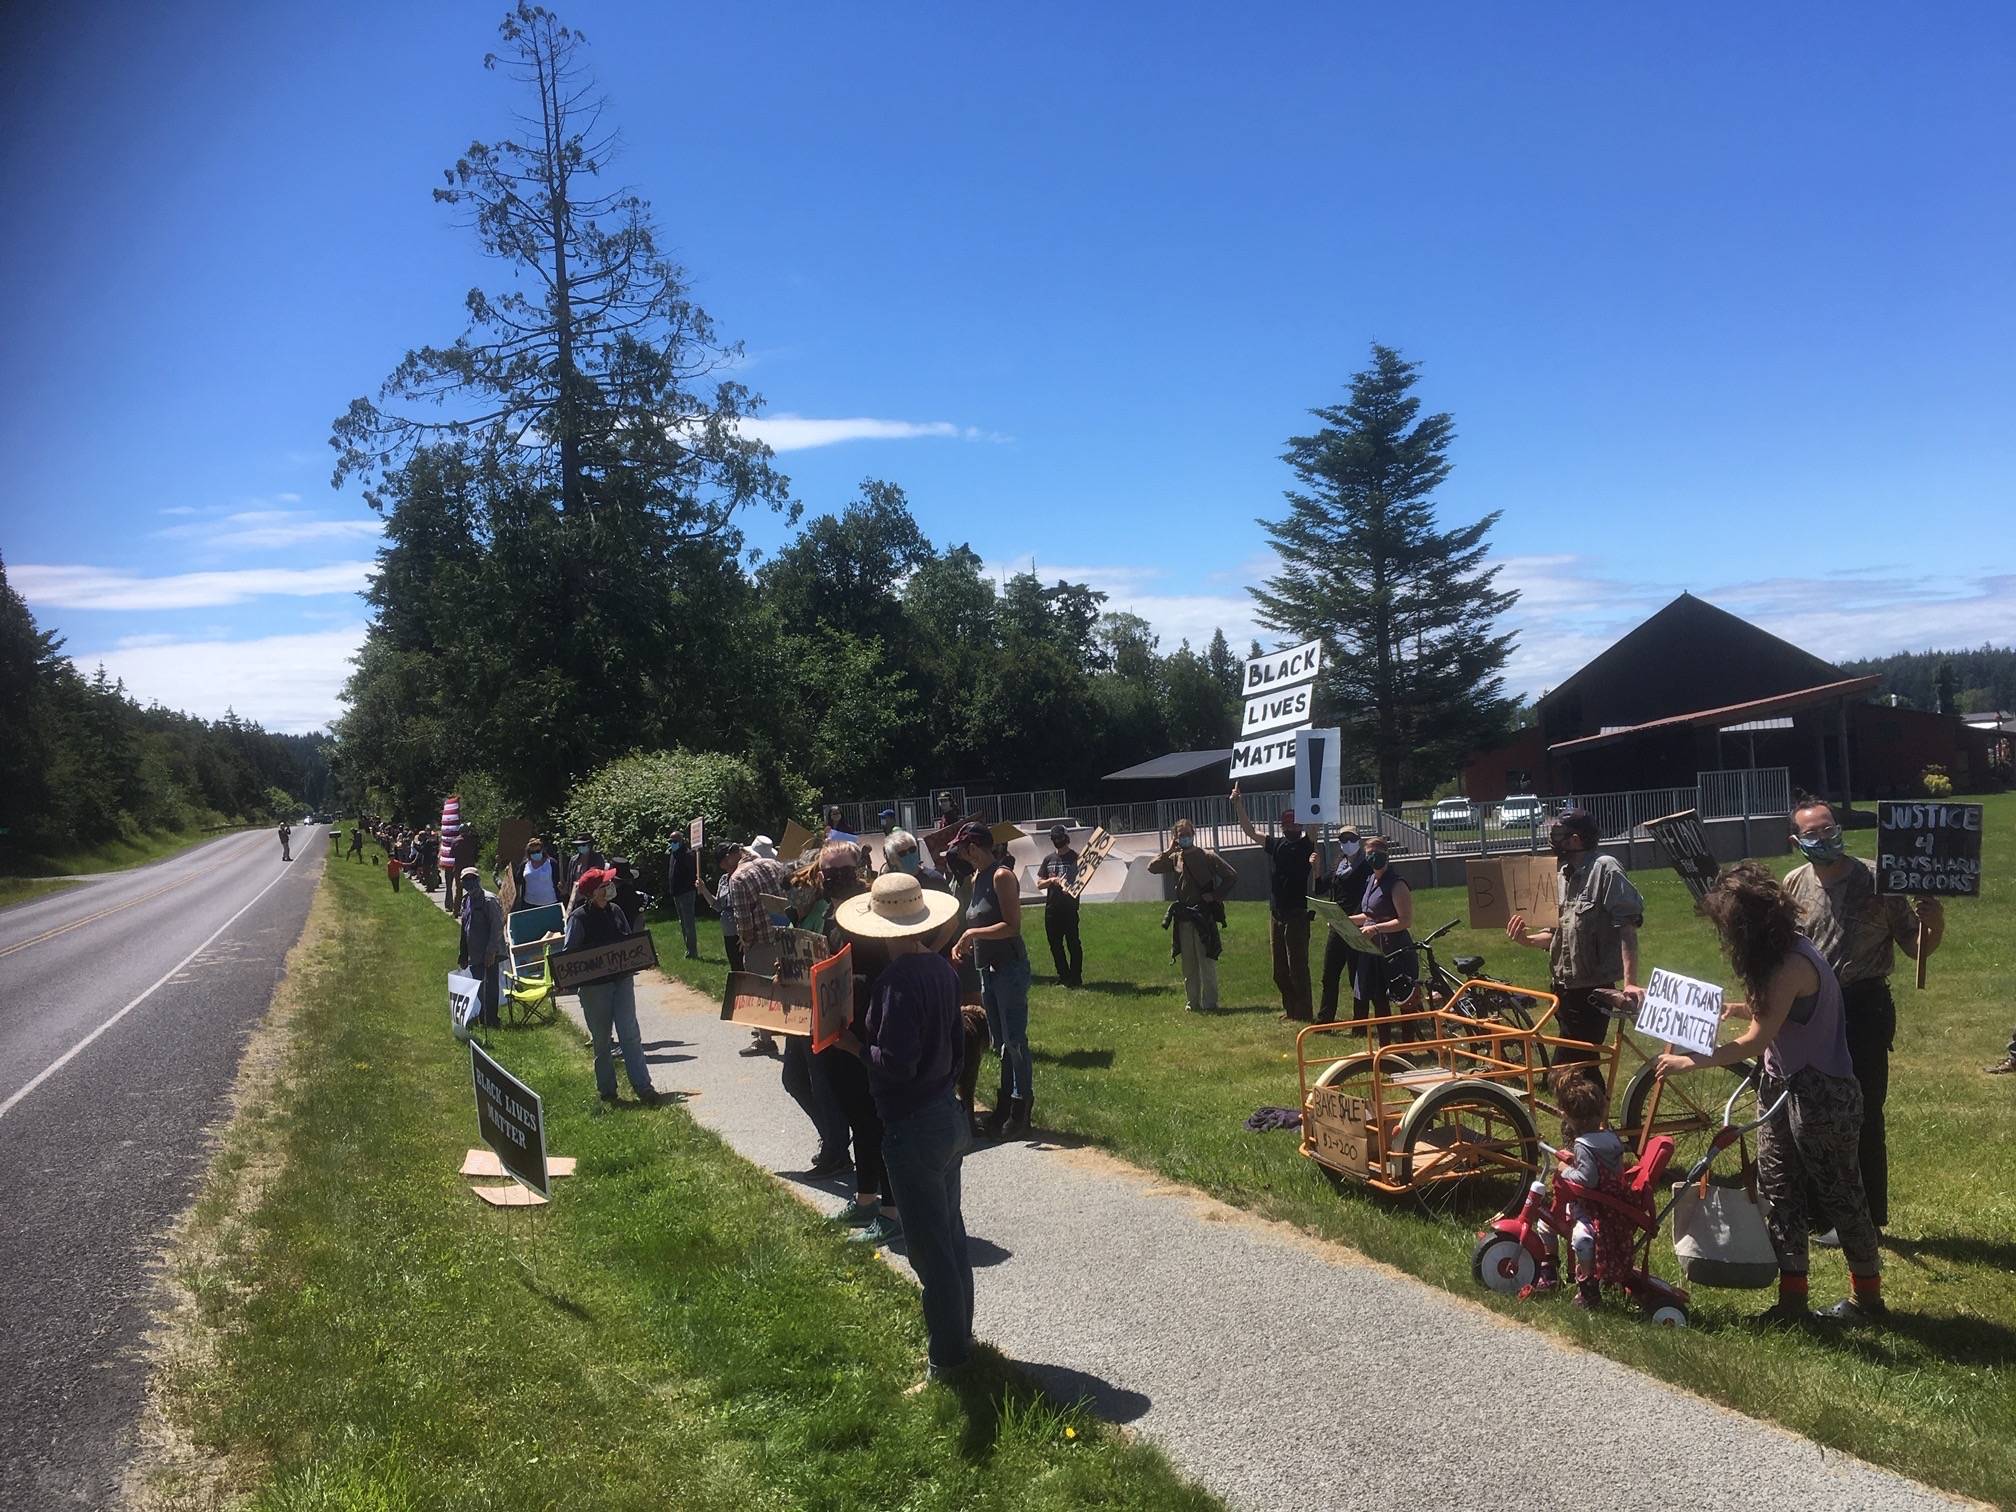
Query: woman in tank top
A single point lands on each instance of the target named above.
(993, 943)
(1810, 1151)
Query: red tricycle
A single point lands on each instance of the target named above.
(1510, 1251)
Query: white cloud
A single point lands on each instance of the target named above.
(270, 529)
(287, 683)
(179, 509)
(61, 587)
(135, 642)
(1175, 617)
(788, 433)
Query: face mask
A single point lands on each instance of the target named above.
(1351, 847)
(1186, 841)
(1821, 851)
(537, 856)
(580, 850)
(837, 882)
(1378, 860)
(907, 863)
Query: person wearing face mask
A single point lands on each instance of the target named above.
(682, 886)
(894, 836)
(1833, 897)
(587, 857)
(731, 942)
(1203, 881)
(608, 1006)
(1596, 940)
(1386, 914)
(1060, 909)
(1347, 891)
(992, 941)
(537, 877)
(1291, 857)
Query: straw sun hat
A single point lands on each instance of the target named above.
(896, 908)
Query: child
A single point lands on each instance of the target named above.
(393, 868)
(1592, 1157)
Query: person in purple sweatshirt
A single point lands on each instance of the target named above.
(912, 1041)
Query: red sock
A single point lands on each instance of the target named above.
(1792, 1288)
(1866, 1288)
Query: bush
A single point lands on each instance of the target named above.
(633, 805)
(1937, 783)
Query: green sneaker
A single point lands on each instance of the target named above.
(877, 1232)
(855, 1215)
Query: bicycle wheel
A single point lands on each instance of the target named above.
(1469, 1142)
(1689, 1111)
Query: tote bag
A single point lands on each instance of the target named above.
(1720, 1236)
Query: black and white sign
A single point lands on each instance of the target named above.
(511, 1120)
(1319, 776)
(1284, 669)
(464, 1002)
(1684, 839)
(589, 964)
(1928, 849)
(1268, 753)
(1271, 711)
(1680, 1011)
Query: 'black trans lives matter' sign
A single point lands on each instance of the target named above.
(1929, 849)
(511, 1120)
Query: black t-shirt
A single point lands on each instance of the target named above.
(1290, 886)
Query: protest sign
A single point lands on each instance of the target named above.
(938, 839)
(696, 836)
(1681, 1012)
(1270, 711)
(761, 1003)
(1004, 833)
(1268, 753)
(463, 1004)
(1684, 841)
(586, 965)
(798, 951)
(510, 1120)
(512, 837)
(1501, 886)
(1928, 849)
(1284, 669)
(1319, 774)
(792, 847)
(1339, 922)
(1089, 858)
(832, 997)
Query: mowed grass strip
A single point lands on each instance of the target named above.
(674, 1330)
(1121, 1064)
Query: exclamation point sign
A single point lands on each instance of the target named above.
(1315, 776)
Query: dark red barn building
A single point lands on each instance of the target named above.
(1696, 689)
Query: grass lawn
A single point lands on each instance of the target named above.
(21, 889)
(674, 1331)
(113, 855)
(1934, 1395)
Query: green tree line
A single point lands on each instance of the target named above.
(83, 763)
(1949, 682)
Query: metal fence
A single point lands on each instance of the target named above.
(1218, 826)
(920, 814)
(1744, 793)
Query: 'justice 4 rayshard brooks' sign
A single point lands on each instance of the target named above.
(1279, 702)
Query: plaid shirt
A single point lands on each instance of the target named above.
(745, 891)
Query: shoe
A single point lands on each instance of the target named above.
(1017, 1122)
(1829, 1240)
(607, 1097)
(650, 1097)
(856, 1214)
(877, 1232)
(754, 1048)
(1855, 1311)
(2005, 1066)
(826, 1162)
(1588, 1295)
(1783, 1314)
(692, 955)
(990, 1127)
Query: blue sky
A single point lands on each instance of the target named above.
(1720, 299)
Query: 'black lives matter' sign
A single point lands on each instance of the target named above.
(511, 1120)
(1930, 849)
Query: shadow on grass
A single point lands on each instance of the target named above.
(1133, 989)
(1950, 1338)
(994, 1388)
(558, 1300)
(1075, 1060)
(1961, 1249)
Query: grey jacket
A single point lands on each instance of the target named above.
(483, 931)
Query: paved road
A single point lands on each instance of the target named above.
(1282, 1373)
(124, 1005)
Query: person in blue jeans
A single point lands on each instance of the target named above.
(911, 1039)
(612, 1005)
(992, 941)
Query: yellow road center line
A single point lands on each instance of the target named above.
(60, 929)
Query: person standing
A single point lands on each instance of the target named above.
(1203, 881)
(911, 1041)
(992, 940)
(482, 941)
(682, 886)
(1596, 940)
(1808, 1153)
(537, 877)
(894, 836)
(1833, 897)
(731, 942)
(609, 1007)
(1386, 915)
(587, 857)
(286, 840)
(1347, 891)
(1291, 859)
(1060, 908)
(357, 841)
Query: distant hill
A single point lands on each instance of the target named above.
(1985, 678)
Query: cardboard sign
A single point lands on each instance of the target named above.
(761, 1003)
(937, 840)
(1340, 925)
(696, 836)
(832, 997)
(1269, 753)
(798, 952)
(1501, 886)
(1319, 776)
(463, 1002)
(588, 964)
(1928, 849)
(1004, 833)
(793, 845)
(1681, 1012)
(513, 835)
(511, 1121)
(1284, 669)
(1270, 711)
(1088, 861)
(1683, 840)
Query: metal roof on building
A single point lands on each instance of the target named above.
(1175, 764)
(1756, 709)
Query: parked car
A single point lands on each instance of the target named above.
(1453, 814)
(1520, 813)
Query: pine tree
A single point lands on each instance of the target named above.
(1406, 610)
